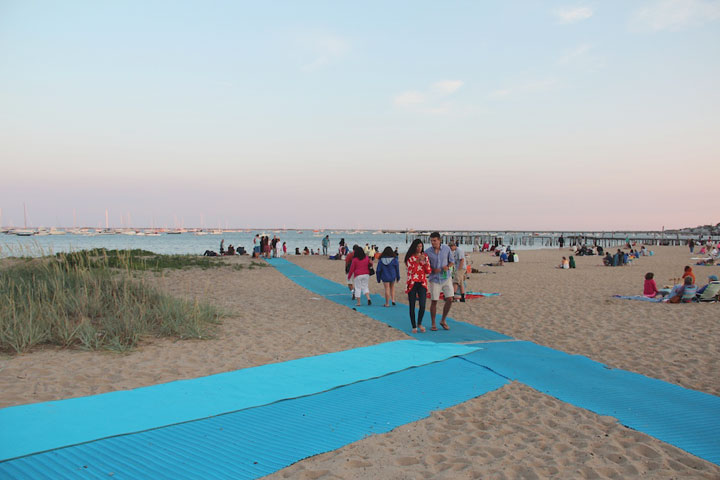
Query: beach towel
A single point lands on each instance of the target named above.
(470, 295)
(642, 298)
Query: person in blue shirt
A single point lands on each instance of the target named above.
(440, 280)
(388, 272)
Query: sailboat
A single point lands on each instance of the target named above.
(24, 232)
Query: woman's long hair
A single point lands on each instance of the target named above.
(358, 252)
(413, 248)
(388, 252)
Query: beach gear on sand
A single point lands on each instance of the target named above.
(710, 294)
(642, 298)
(471, 295)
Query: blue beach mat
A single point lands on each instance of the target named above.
(688, 419)
(32, 428)
(396, 316)
(641, 298)
(258, 441)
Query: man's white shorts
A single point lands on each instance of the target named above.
(446, 288)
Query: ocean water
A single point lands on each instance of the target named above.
(189, 243)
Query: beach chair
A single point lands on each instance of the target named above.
(710, 294)
(689, 293)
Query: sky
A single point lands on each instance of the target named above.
(466, 115)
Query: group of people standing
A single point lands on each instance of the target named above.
(440, 269)
(264, 246)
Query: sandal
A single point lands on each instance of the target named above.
(369, 302)
(422, 329)
(414, 330)
(434, 329)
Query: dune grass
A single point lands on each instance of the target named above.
(92, 300)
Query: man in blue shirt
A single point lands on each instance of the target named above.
(440, 279)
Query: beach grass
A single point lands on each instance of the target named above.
(92, 300)
(138, 260)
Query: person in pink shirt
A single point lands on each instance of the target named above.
(650, 290)
(360, 268)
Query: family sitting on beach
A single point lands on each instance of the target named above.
(684, 292)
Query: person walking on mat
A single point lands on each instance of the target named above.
(440, 280)
(459, 275)
(388, 272)
(418, 269)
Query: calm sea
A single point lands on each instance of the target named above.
(189, 243)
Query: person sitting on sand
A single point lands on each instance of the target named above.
(571, 262)
(676, 294)
(689, 273)
(230, 250)
(650, 289)
(608, 260)
(388, 272)
(306, 251)
(418, 268)
(564, 263)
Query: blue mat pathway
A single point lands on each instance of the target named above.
(258, 441)
(682, 417)
(27, 429)
(396, 317)
(259, 438)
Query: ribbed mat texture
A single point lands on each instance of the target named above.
(258, 441)
(32, 428)
(685, 418)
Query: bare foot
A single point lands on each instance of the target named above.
(444, 325)
(414, 330)
(422, 329)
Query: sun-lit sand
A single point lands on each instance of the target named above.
(514, 432)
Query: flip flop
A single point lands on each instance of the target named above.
(434, 329)
(422, 329)
(444, 325)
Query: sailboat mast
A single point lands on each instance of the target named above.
(25, 213)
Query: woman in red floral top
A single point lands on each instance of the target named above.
(418, 267)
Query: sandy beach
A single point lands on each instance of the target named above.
(514, 432)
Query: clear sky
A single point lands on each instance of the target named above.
(377, 114)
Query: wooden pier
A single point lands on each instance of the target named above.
(527, 239)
